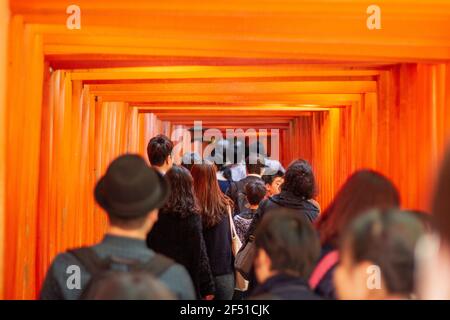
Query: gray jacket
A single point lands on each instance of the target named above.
(56, 287)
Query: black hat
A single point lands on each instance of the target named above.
(130, 188)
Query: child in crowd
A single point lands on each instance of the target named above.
(255, 192)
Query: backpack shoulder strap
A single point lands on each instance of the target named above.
(157, 265)
(325, 264)
(89, 259)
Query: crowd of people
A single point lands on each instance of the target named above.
(207, 229)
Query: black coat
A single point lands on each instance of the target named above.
(284, 200)
(218, 246)
(284, 287)
(182, 240)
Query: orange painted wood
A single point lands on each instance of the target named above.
(245, 87)
(222, 72)
(22, 159)
(249, 28)
(64, 127)
(4, 21)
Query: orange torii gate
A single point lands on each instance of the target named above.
(344, 96)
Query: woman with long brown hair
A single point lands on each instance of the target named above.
(214, 208)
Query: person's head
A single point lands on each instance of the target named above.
(213, 204)
(254, 164)
(182, 199)
(441, 201)
(255, 191)
(363, 190)
(273, 182)
(131, 193)
(189, 159)
(159, 151)
(286, 243)
(119, 285)
(377, 256)
(299, 180)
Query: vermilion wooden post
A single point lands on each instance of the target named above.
(4, 24)
(61, 132)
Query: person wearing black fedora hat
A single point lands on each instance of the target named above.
(131, 193)
(130, 189)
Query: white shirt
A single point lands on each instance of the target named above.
(238, 172)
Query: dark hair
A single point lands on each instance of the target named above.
(182, 201)
(363, 190)
(255, 191)
(299, 180)
(386, 238)
(119, 285)
(226, 171)
(254, 165)
(290, 241)
(212, 202)
(441, 201)
(269, 178)
(159, 149)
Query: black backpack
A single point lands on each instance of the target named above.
(97, 266)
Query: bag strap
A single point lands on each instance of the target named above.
(325, 264)
(156, 265)
(89, 259)
(232, 227)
